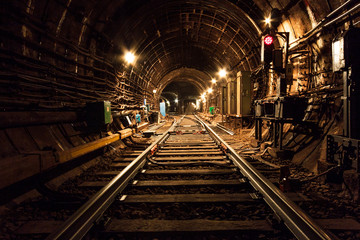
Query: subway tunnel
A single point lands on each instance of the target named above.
(81, 80)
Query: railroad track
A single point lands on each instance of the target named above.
(194, 189)
(270, 171)
(188, 184)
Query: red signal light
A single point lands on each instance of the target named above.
(268, 40)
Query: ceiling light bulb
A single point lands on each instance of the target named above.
(154, 91)
(129, 57)
(222, 73)
(213, 80)
(268, 20)
(210, 90)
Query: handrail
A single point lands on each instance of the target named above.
(78, 224)
(296, 220)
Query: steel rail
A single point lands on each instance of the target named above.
(78, 224)
(223, 128)
(295, 219)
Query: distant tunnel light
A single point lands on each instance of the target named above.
(129, 57)
(268, 40)
(268, 20)
(154, 91)
(222, 73)
(176, 100)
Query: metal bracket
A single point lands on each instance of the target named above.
(122, 198)
(256, 196)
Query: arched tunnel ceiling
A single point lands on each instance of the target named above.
(170, 35)
(85, 39)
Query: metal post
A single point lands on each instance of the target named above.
(345, 98)
(260, 129)
(281, 134)
(256, 128)
(275, 132)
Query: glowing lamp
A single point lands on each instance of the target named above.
(129, 57)
(222, 73)
(268, 20)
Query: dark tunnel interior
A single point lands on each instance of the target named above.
(80, 78)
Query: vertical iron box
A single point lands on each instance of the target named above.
(243, 93)
(231, 97)
(98, 113)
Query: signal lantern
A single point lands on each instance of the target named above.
(267, 47)
(268, 40)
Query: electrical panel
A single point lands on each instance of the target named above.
(237, 95)
(232, 96)
(98, 113)
(224, 99)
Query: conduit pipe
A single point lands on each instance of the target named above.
(123, 113)
(321, 24)
(81, 150)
